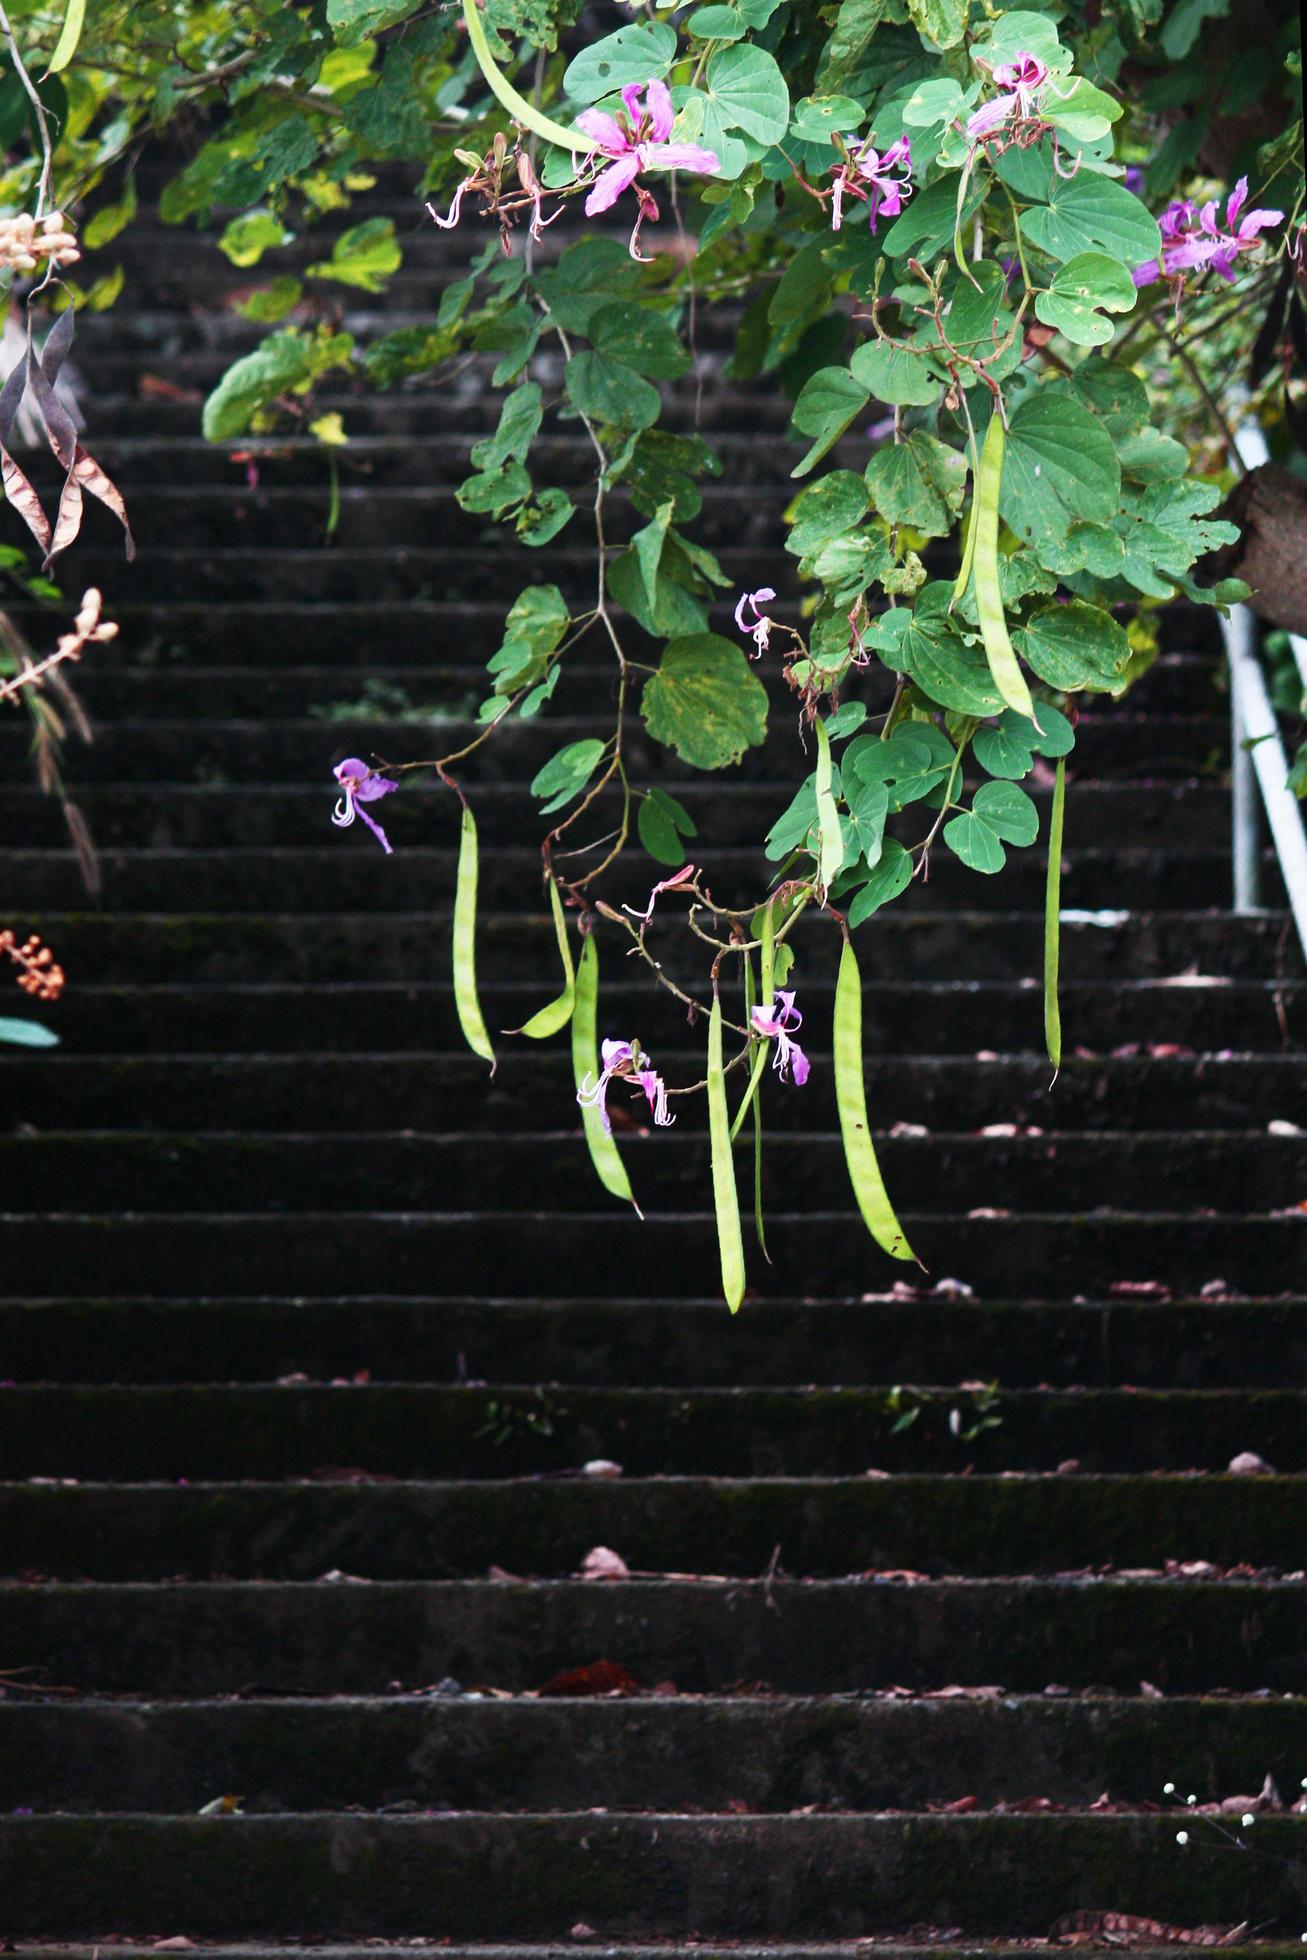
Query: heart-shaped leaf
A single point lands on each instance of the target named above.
(1084, 285)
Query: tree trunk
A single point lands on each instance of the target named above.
(1270, 507)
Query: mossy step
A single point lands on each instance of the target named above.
(950, 1017)
(901, 945)
(243, 881)
(123, 1170)
(492, 1431)
(652, 1874)
(468, 1752)
(534, 1094)
(1188, 813)
(980, 1527)
(505, 1249)
(1218, 1342)
(822, 1636)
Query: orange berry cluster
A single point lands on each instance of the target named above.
(38, 974)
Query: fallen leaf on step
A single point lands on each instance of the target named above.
(988, 1692)
(601, 1563)
(599, 1678)
(177, 1944)
(1246, 1464)
(1139, 1289)
(222, 1807)
(1128, 1929)
(601, 1466)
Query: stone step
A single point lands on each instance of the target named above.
(1184, 1636)
(1224, 1341)
(1235, 1093)
(245, 881)
(1185, 814)
(654, 1874)
(1097, 1017)
(201, 947)
(465, 1751)
(473, 1431)
(1244, 1948)
(913, 1527)
(1179, 683)
(503, 1250)
(125, 1170)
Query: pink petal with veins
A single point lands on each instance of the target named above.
(679, 156)
(617, 178)
(658, 101)
(605, 132)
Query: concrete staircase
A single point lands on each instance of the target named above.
(309, 1330)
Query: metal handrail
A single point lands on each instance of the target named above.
(1258, 758)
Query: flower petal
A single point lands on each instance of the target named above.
(617, 178)
(679, 156)
(377, 832)
(661, 117)
(605, 132)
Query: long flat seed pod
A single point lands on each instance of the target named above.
(963, 579)
(556, 1014)
(828, 817)
(517, 105)
(851, 1100)
(999, 651)
(69, 35)
(1053, 919)
(609, 1168)
(470, 1018)
(725, 1201)
(767, 985)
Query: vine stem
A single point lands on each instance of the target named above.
(47, 147)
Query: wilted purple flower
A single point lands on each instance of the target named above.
(680, 877)
(1187, 247)
(361, 785)
(1021, 80)
(774, 1023)
(623, 1059)
(636, 142)
(759, 630)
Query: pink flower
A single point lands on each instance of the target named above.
(868, 166)
(1020, 81)
(1186, 248)
(361, 785)
(638, 141)
(773, 1024)
(623, 1059)
(759, 630)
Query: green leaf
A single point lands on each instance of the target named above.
(749, 91)
(519, 420)
(1060, 464)
(943, 22)
(1089, 213)
(1000, 813)
(705, 701)
(932, 102)
(662, 822)
(828, 508)
(364, 256)
(637, 53)
(979, 318)
(268, 304)
(850, 39)
(912, 761)
(1009, 749)
(676, 611)
(647, 544)
(1075, 646)
(919, 482)
(535, 624)
(591, 274)
(609, 391)
(494, 490)
(111, 219)
(26, 1034)
(1080, 111)
(544, 517)
(716, 24)
(867, 813)
(817, 115)
(926, 224)
(252, 382)
(828, 402)
(895, 375)
(927, 646)
(1081, 287)
(566, 774)
(891, 875)
(353, 21)
(247, 238)
(642, 339)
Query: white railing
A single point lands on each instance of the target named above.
(1258, 759)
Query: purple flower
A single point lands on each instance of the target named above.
(639, 142)
(1020, 80)
(759, 630)
(774, 1023)
(1134, 178)
(361, 785)
(890, 177)
(1187, 247)
(623, 1059)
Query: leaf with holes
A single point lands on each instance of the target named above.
(705, 701)
(638, 53)
(1082, 290)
